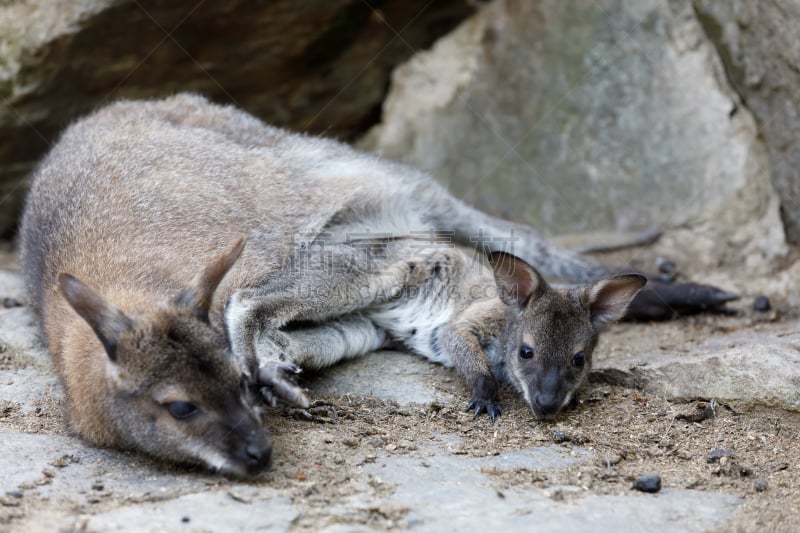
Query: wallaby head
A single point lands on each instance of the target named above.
(551, 333)
(172, 387)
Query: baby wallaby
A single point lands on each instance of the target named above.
(160, 333)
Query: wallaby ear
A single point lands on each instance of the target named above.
(516, 279)
(199, 295)
(608, 299)
(108, 322)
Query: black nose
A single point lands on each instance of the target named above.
(259, 455)
(547, 404)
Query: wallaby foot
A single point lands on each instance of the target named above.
(665, 301)
(278, 381)
(484, 399)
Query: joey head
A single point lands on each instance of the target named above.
(552, 333)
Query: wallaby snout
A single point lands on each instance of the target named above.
(551, 397)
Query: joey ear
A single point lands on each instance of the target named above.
(108, 322)
(199, 295)
(608, 299)
(516, 280)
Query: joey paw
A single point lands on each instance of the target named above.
(278, 381)
(482, 405)
(574, 402)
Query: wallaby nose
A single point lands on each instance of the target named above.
(259, 455)
(547, 405)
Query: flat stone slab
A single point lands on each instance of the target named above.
(387, 375)
(756, 366)
(245, 509)
(451, 493)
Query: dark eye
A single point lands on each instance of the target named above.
(182, 410)
(526, 352)
(579, 359)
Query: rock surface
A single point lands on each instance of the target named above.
(757, 41)
(574, 116)
(751, 367)
(311, 66)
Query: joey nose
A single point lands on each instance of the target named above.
(547, 405)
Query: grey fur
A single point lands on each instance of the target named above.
(345, 253)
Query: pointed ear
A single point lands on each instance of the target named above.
(608, 299)
(108, 322)
(199, 295)
(516, 279)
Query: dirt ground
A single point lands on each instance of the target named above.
(701, 445)
(698, 445)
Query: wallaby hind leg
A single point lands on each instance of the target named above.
(315, 347)
(321, 345)
(309, 315)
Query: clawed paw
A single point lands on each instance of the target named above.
(278, 381)
(482, 405)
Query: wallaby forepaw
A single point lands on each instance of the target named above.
(278, 381)
(482, 405)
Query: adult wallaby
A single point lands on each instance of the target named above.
(130, 227)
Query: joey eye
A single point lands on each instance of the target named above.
(526, 352)
(579, 359)
(182, 410)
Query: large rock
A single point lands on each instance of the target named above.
(588, 115)
(753, 367)
(311, 66)
(758, 44)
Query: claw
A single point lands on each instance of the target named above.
(278, 381)
(490, 407)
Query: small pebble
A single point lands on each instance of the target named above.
(647, 483)
(8, 303)
(666, 267)
(761, 304)
(185, 519)
(18, 494)
(760, 485)
(560, 436)
(718, 453)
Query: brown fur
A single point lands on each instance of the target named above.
(141, 203)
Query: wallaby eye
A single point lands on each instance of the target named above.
(579, 359)
(182, 410)
(526, 352)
